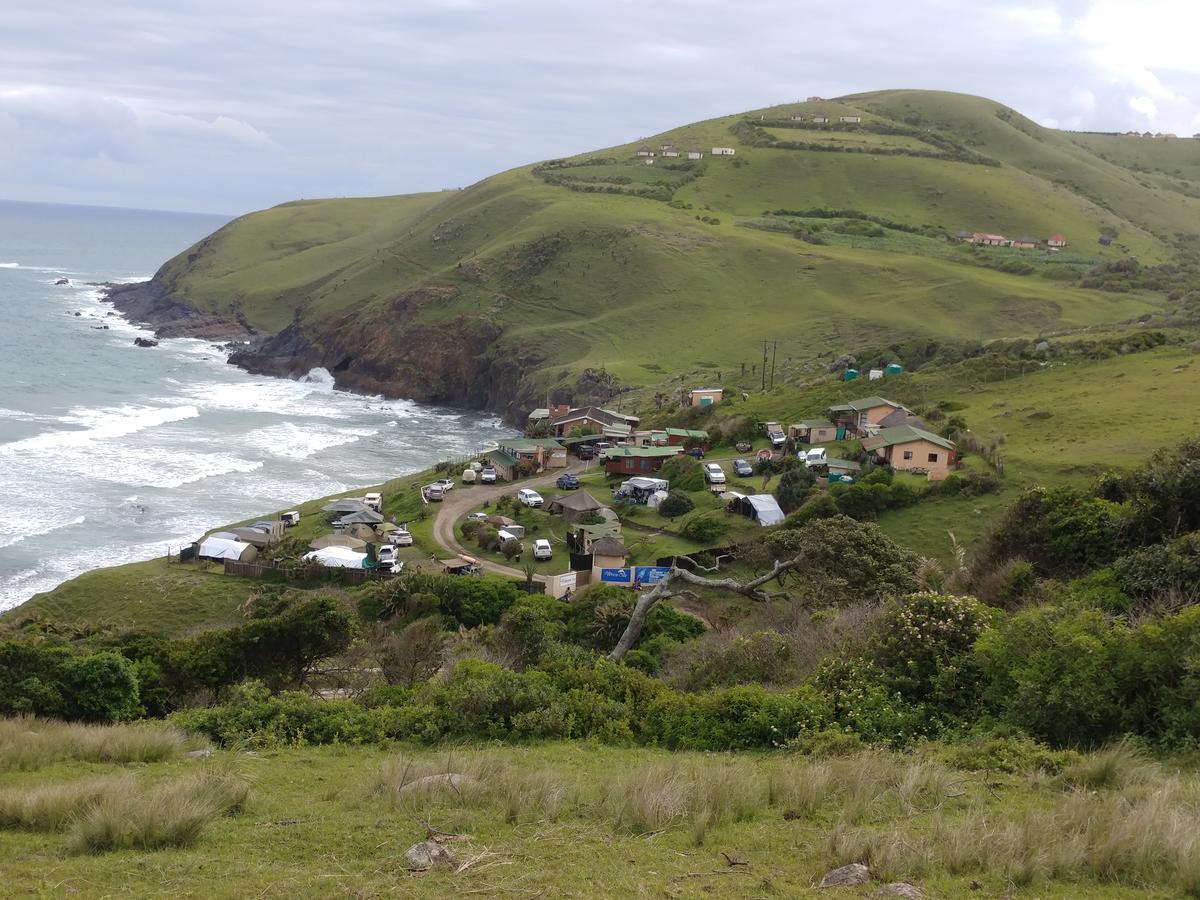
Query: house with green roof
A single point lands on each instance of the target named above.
(909, 449)
(504, 463)
(541, 453)
(637, 460)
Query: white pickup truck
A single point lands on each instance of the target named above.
(775, 433)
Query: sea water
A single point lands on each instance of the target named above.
(111, 453)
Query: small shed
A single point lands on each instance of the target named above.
(695, 154)
(723, 151)
(575, 507)
(706, 396)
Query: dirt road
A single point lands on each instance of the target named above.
(461, 500)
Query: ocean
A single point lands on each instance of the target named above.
(111, 453)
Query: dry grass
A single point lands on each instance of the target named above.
(28, 743)
(53, 806)
(1121, 765)
(169, 814)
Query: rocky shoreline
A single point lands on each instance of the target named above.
(449, 366)
(149, 303)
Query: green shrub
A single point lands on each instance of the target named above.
(733, 719)
(676, 503)
(703, 529)
(1053, 671)
(794, 486)
(859, 701)
(1160, 568)
(1006, 753)
(684, 473)
(101, 688)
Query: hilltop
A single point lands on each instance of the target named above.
(599, 274)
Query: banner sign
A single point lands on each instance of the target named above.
(616, 576)
(650, 574)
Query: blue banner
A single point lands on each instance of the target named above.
(616, 576)
(650, 574)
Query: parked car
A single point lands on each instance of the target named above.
(386, 556)
(488, 475)
(602, 449)
(401, 537)
(567, 482)
(530, 497)
(697, 452)
(477, 516)
(713, 473)
(742, 469)
(814, 457)
(434, 493)
(542, 549)
(585, 451)
(446, 483)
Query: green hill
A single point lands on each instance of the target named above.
(498, 294)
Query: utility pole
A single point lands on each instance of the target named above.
(774, 351)
(764, 366)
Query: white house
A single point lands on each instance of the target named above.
(723, 151)
(670, 152)
(1056, 240)
(851, 120)
(821, 120)
(695, 154)
(797, 117)
(645, 151)
(667, 145)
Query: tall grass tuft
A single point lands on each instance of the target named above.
(169, 814)
(1117, 766)
(53, 806)
(28, 743)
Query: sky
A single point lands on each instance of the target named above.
(228, 106)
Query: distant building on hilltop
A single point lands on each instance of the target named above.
(1024, 243)
(989, 240)
(797, 116)
(821, 120)
(1056, 240)
(695, 154)
(645, 151)
(815, 99)
(850, 120)
(723, 151)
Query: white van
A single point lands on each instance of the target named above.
(375, 501)
(290, 519)
(814, 457)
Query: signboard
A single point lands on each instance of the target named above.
(616, 576)
(566, 582)
(650, 574)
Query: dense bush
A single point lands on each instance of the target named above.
(676, 503)
(844, 560)
(703, 529)
(51, 681)
(794, 486)
(684, 473)
(1161, 569)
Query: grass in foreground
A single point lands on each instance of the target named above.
(571, 819)
(28, 743)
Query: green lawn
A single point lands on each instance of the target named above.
(580, 820)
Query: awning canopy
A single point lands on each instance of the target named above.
(223, 548)
(338, 557)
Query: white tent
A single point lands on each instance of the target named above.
(655, 499)
(766, 510)
(338, 557)
(642, 483)
(223, 548)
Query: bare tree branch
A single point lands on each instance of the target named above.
(664, 590)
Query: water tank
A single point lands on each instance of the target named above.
(894, 368)
(850, 375)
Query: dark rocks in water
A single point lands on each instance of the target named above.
(78, 314)
(151, 303)
(99, 328)
(145, 342)
(63, 281)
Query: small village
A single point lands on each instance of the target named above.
(587, 495)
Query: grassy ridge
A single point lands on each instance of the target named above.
(574, 278)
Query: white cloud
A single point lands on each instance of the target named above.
(226, 105)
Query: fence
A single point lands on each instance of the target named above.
(347, 577)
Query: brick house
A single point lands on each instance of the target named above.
(638, 460)
(909, 449)
(863, 415)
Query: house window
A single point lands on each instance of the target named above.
(933, 457)
(908, 454)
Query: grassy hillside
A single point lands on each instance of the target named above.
(574, 263)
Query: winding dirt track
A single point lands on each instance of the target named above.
(462, 500)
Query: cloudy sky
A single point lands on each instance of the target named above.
(226, 106)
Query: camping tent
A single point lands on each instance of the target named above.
(337, 540)
(575, 507)
(761, 507)
(362, 532)
(223, 548)
(256, 536)
(386, 528)
(365, 517)
(500, 521)
(346, 505)
(656, 498)
(338, 557)
(640, 483)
